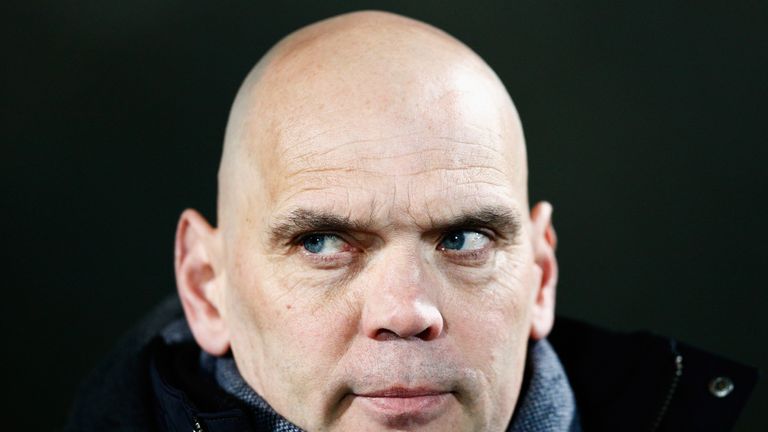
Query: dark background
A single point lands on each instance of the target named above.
(646, 125)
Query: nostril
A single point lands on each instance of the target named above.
(425, 334)
(385, 335)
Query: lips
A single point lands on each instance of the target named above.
(399, 405)
(402, 392)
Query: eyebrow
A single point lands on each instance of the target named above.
(305, 220)
(503, 221)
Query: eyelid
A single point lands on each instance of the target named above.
(346, 238)
(299, 238)
(490, 233)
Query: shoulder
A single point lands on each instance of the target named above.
(641, 381)
(117, 395)
(153, 381)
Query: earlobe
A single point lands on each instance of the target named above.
(198, 283)
(544, 242)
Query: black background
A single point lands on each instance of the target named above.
(645, 121)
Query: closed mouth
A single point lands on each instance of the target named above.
(403, 392)
(398, 406)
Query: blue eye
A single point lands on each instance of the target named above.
(323, 243)
(464, 240)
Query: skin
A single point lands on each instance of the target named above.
(356, 150)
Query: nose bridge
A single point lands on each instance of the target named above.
(401, 299)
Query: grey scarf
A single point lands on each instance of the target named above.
(548, 404)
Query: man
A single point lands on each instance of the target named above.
(375, 267)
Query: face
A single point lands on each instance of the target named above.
(379, 271)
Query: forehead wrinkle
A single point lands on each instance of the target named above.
(312, 175)
(292, 136)
(334, 175)
(414, 162)
(399, 209)
(355, 192)
(308, 147)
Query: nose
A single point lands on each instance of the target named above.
(401, 303)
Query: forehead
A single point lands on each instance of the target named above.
(395, 168)
(349, 138)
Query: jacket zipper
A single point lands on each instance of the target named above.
(197, 427)
(671, 390)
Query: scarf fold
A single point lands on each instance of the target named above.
(548, 404)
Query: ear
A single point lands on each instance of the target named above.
(544, 243)
(199, 285)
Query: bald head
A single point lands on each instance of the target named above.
(364, 76)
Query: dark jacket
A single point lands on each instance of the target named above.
(622, 382)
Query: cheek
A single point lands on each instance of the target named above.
(288, 330)
(302, 352)
(491, 323)
(491, 327)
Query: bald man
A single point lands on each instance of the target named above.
(376, 267)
